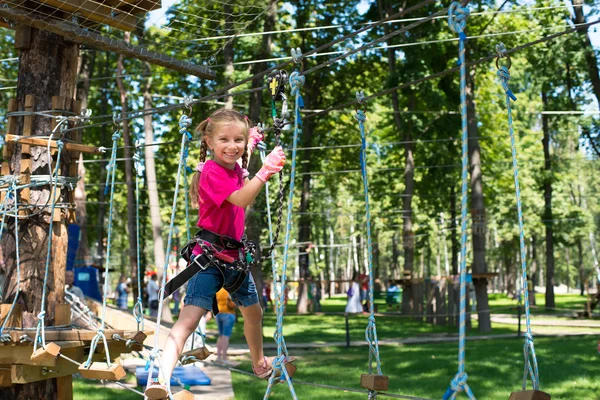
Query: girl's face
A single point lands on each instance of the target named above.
(227, 144)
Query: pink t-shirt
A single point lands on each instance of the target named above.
(216, 214)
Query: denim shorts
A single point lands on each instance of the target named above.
(202, 287)
(225, 323)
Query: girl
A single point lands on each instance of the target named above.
(222, 191)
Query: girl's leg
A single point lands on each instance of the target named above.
(224, 346)
(183, 328)
(219, 349)
(253, 332)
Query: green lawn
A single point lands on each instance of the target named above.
(568, 370)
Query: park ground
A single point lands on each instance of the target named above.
(568, 365)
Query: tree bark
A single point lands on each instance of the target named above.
(48, 67)
(129, 175)
(548, 208)
(590, 53)
(86, 69)
(254, 220)
(478, 210)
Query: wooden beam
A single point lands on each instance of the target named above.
(96, 11)
(81, 35)
(22, 37)
(16, 317)
(44, 142)
(5, 379)
(29, 373)
(64, 387)
(67, 335)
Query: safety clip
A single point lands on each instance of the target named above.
(501, 51)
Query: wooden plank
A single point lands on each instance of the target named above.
(44, 142)
(529, 395)
(27, 122)
(30, 373)
(44, 355)
(21, 354)
(100, 370)
(62, 314)
(16, 317)
(58, 335)
(184, 395)
(374, 382)
(194, 355)
(22, 37)
(11, 125)
(5, 380)
(96, 12)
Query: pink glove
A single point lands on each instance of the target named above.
(273, 164)
(254, 137)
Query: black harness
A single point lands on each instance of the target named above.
(212, 246)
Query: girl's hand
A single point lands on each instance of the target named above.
(274, 163)
(254, 137)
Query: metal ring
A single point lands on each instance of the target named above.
(507, 58)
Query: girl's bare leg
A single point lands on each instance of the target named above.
(253, 332)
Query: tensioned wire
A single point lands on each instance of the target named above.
(219, 92)
(223, 92)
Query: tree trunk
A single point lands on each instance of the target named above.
(254, 220)
(582, 279)
(453, 232)
(101, 188)
(478, 210)
(48, 67)
(548, 208)
(228, 55)
(590, 53)
(129, 176)
(533, 271)
(155, 219)
(86, 69)
(408, 238)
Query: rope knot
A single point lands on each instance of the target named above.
(41, 315)
(360, 116)
(457, 19)
(459, 381)
(60, 144)
(504, 76)
(116, 136)
(296, 81)
(184, 122)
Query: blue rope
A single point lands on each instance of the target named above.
(531, 365)
(110, 179)
(138, 308)
(40, 330)
(184, 123)
(296, 82)
(371, 331)
(457, 20)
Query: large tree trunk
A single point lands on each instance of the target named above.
(254, 220)
(155, 219)
(590, 53)
(87, 61)
(129, 175)
(48, 67)
(548, 208)
(477, 211)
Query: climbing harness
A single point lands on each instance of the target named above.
(531, 365)
(379, 382)
(457, 20)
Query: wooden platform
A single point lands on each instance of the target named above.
(17, 367)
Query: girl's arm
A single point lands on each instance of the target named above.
(246, 195)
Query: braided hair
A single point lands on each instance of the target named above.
(207, 129)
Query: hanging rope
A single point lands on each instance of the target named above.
(371, 331)
(531, 366)
(457, 20)
(296, 81)
(110, 178)
(184, 123)
(138, 308)
(40, 333)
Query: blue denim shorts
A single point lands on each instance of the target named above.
(225, 323)
(202, 287)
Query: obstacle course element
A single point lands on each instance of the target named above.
(188, 375)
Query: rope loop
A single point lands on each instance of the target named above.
(360, 116)
(504, 75)
(457, 19)
(459, 381)
(296, 82)
(184, 123)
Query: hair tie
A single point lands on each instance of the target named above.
(245, 173)
(246, 117)
(200, 166)
(208, 119)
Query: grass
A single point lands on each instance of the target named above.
(568, 370)
(84, 389)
